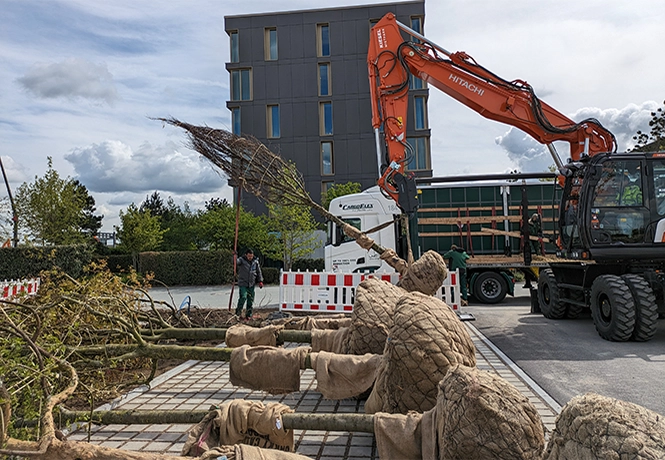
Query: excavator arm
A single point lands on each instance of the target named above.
(391, 60)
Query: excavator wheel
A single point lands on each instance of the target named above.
(548, 296)
(646, 309)
(575, 311)
(612, 308)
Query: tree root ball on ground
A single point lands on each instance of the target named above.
(592, 426)
(425, 340)
(481, 415)
(372, 316)
(425, 275)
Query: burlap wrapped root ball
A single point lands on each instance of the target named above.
(426, 274)
(592, 426)
(480, 415)
(372, 316)
(426, 339)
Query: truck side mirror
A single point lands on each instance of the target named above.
(338, 236)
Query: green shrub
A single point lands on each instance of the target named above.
(188, 268)
(270, 275)
(28, 262)
(309, 264)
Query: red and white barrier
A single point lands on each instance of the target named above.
(15, 288)
(316, 292)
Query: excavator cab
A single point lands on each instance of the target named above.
(613, 207)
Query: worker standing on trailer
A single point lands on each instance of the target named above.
(457, 258)
(249, 275)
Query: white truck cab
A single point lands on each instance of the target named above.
(365, 211)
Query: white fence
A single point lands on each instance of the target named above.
(15, 288)
(317, 292)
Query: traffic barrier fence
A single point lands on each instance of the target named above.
(333, 292)
(10, 289)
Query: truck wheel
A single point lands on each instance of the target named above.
(646, 309)
(575, 311)
(490, 287)
(612, 308)
(548, 296)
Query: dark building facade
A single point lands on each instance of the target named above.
(299, 84)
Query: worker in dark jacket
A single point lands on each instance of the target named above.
(249, 275)
(457, 258)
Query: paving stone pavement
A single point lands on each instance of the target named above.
(197, 385)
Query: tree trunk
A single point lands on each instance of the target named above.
(321, 422)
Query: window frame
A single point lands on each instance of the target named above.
(320, 48)
(236, 121)
(270, 121)
(267, 44)
(234, 46)
(328, 78)
(241, 87)
(323, 118)
(324, 172)
(413, 164)
(424, 122)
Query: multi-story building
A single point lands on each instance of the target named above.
(299, 84)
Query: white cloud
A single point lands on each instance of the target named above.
(531, 156)
(114, 166)
(73, 78)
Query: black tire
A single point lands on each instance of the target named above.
(575, 311)
(490, 287)
(612, 308)
(548, 296)
(646, 309)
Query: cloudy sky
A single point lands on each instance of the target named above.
(79, 79)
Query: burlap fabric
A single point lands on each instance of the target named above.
(332, 340)
(241, 334)
(592, 426)
(244, 452)
(240, 421)
(481, 416)
(307, 323)
(425, 340)
(406, 437)
(372, 316)
(275, 370)
(343, 376)
(426, 274)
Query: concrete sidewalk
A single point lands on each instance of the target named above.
(197, 385)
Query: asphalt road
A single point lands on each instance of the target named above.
(568, 357)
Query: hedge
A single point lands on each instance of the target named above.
(178, 268)
(28, 262)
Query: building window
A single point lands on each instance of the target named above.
(325, 186)
(273, 121)
(235, 47)
(419, 153)
(417, 24)
(324, 80)
(420, 108)
(327, 168)
(415, 82)
(323, 40)
(270, 43)
(325, 118)
(235, 121)
(241, 85)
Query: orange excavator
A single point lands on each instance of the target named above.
(611, 225)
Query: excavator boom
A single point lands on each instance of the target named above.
(391, 60)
